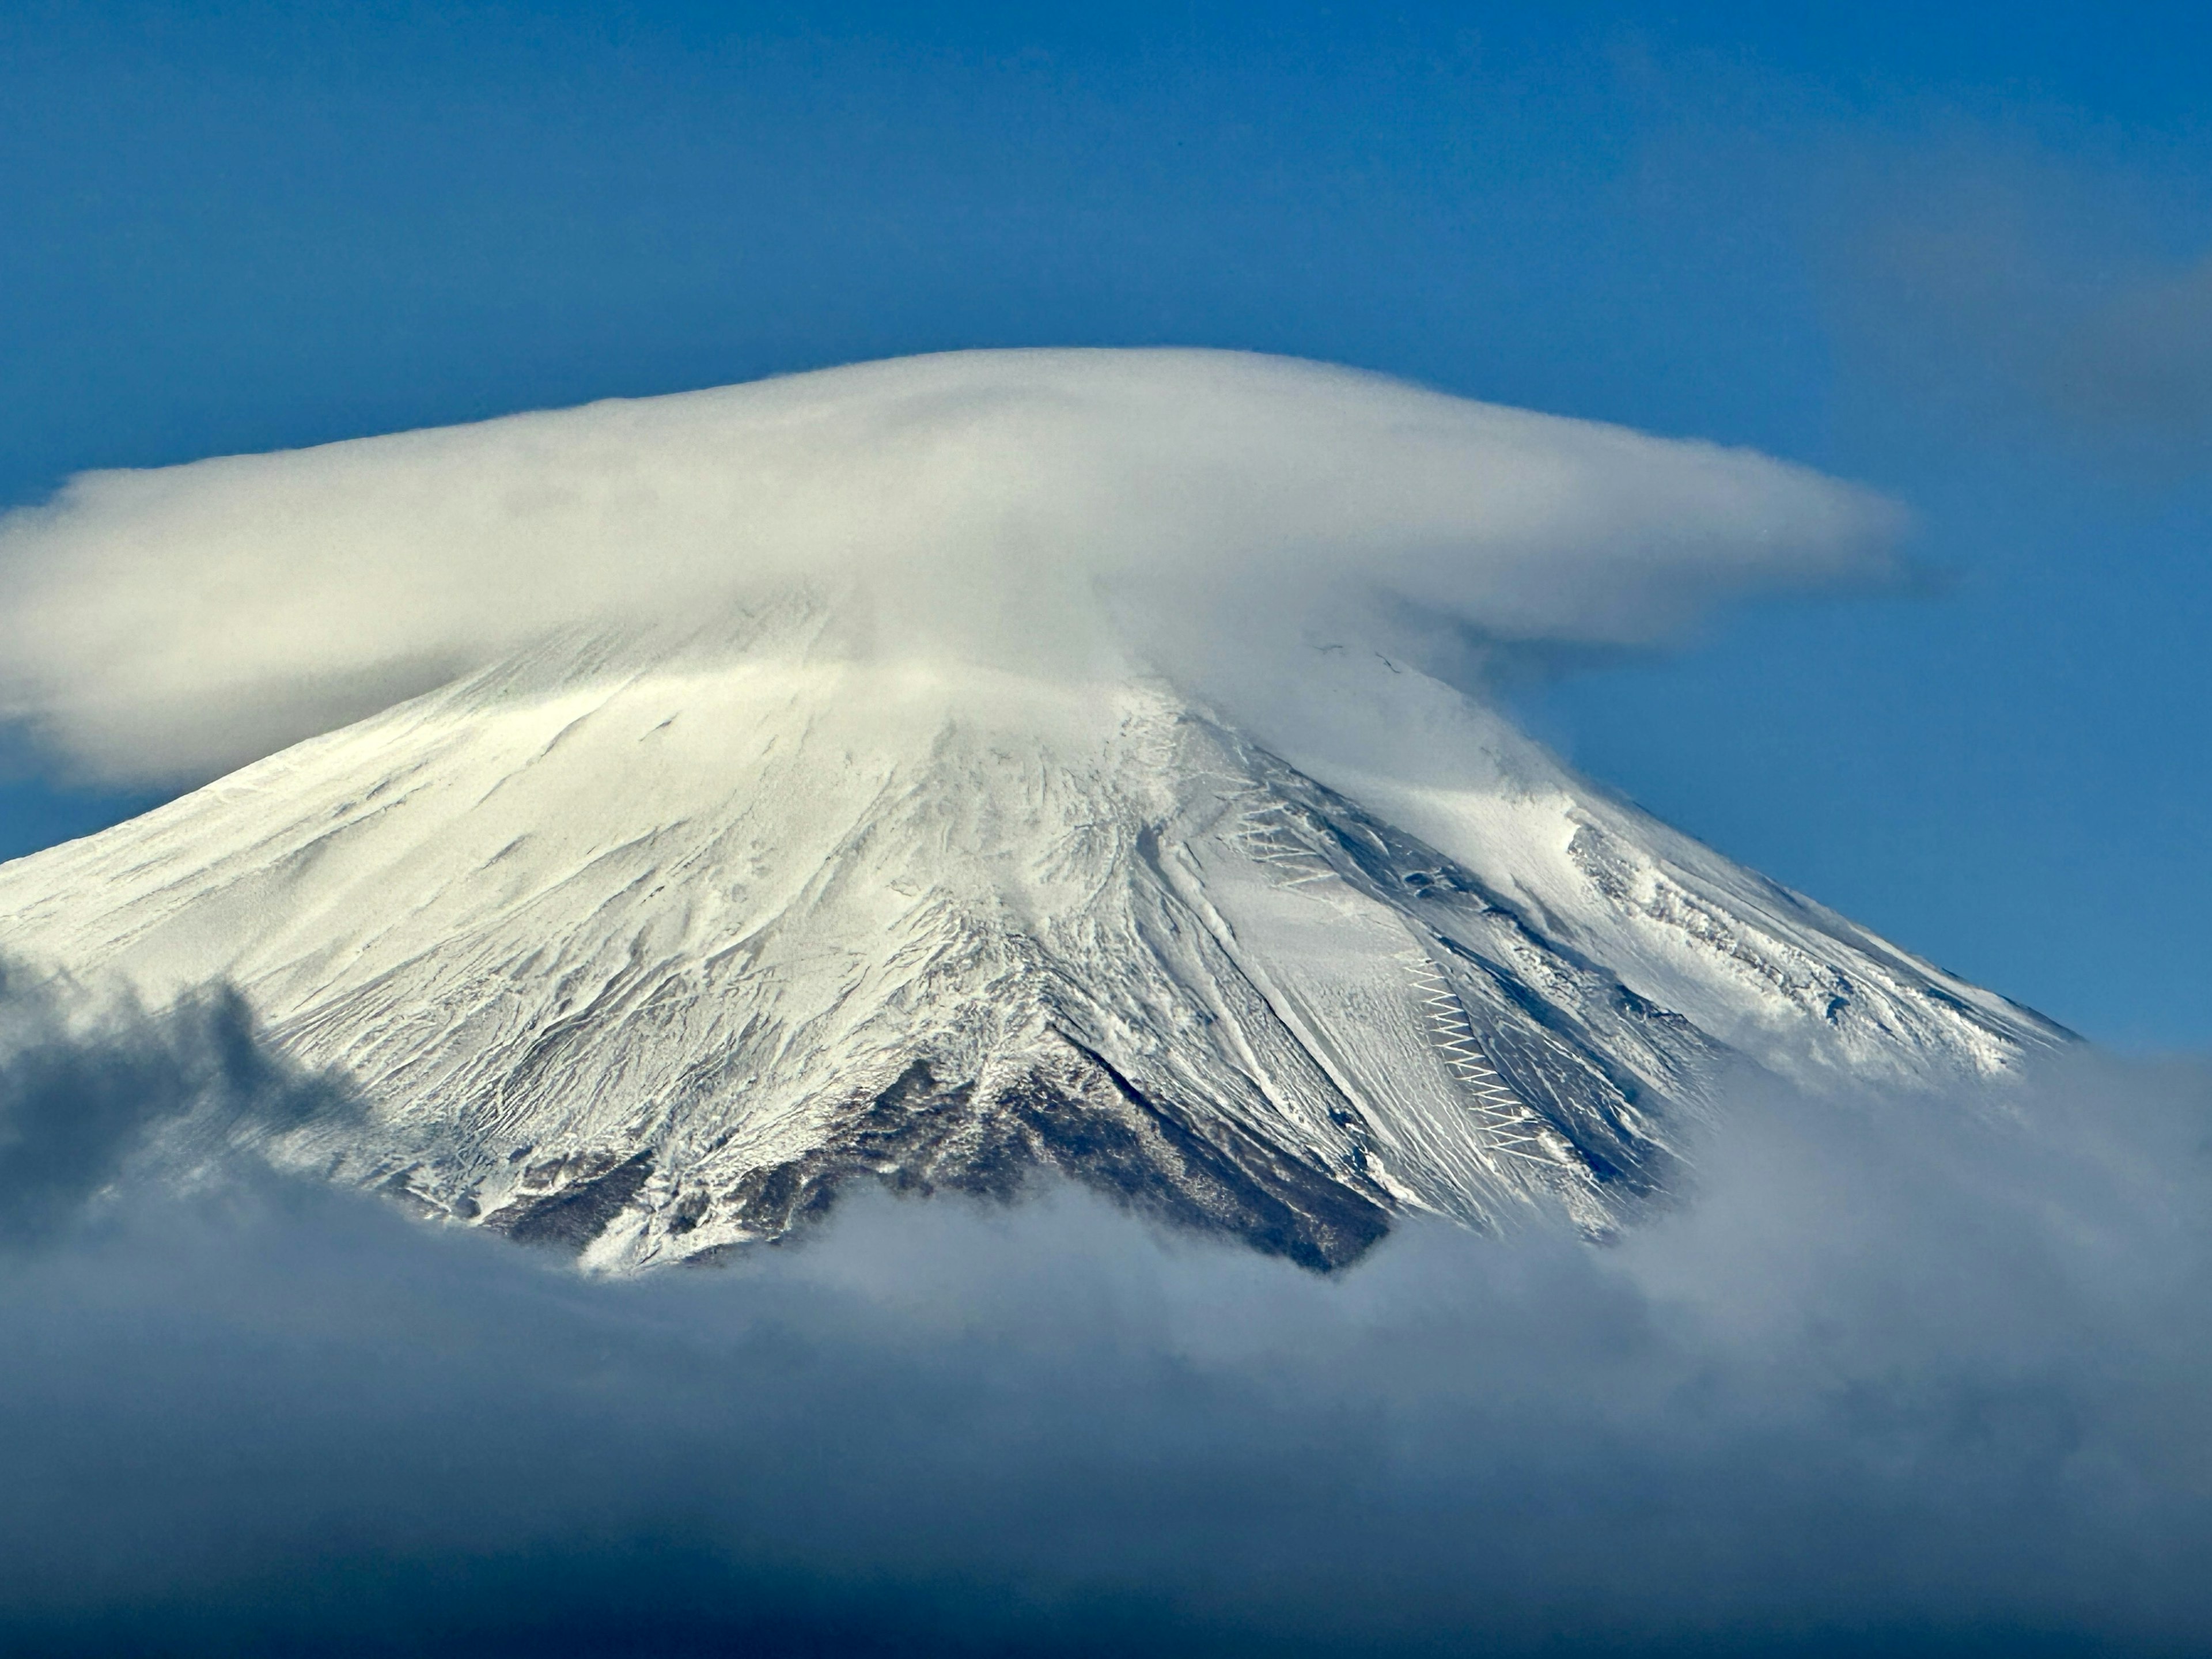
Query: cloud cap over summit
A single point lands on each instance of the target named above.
(1035, 508)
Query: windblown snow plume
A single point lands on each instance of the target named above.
(1047, 511)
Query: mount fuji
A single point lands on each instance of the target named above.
(649, 956)
(762, 823)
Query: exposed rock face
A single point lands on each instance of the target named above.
(648, 960)
(1080, 1119)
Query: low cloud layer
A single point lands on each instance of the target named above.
(1046, 509)
(1912, 1376)
(87, 1082)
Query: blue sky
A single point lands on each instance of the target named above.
(1959, 253)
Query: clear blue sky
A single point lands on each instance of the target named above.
(1963, 253)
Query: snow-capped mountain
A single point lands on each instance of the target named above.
(648, 953)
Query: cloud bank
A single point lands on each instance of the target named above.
(1924, 1377)
(1037, 509)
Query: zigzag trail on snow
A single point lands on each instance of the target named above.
(646, 955)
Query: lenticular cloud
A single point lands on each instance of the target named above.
(1035, 508)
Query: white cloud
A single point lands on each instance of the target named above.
(168, 624)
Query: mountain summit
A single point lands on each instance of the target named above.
(648, 954)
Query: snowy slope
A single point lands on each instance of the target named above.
(648, 954)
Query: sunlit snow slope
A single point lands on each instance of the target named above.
(647, 956)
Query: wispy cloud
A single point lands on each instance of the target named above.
(2041, 298)
(2138, 359)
